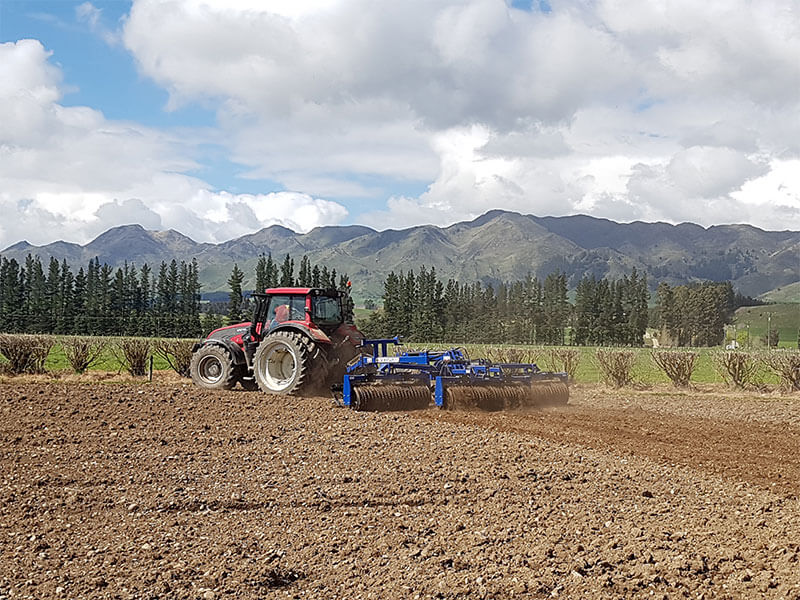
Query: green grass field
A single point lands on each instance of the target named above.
(108, 361)
(752, 322)
(786, 294)
(588, 371)
(57, 361)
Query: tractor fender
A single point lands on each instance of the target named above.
(310, 332)
(235, 351)
(348, 332)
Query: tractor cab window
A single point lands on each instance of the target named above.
(286, 308)
(326, 310)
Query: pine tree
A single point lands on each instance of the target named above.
(304, 277)
(287, 272)
(235, 294)
(271, 273)
(584, 314)
(532, 311)
(556, 308)
(173, 285)
(603, 334)
(392, 303)
(106, 325)
(91, 298)
(261, 274)
(145, 303)
(34, 314)
(67, 303)
(451, 312)
(619, 319)
(408, 296)
(118, 308)
(348, 306)
(639, 311)
(420, 316)
(12, 293)
(438, 311)
(665, 311)
(316, 278)
(486, 322)
(161, 300)
(81, 323)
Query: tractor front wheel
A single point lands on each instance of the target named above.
(282, 363)
(212, 368)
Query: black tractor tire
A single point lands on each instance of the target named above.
(212, 368)
(283, 363)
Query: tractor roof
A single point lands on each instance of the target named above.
(289, 290)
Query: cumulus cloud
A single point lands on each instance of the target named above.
(667, 110)
(224, 215)
(644, 107)
(131, 210)
(70, 173)
(446, 63)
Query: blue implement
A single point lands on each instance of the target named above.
(410, 380)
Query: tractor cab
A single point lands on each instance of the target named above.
(308, 308)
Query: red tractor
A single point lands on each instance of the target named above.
(299, 342)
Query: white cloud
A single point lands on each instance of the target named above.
(227, 215)
(70, 173)
(128, 211)
(88, 12)
(92, 16)
(641, 106)
(670, 110)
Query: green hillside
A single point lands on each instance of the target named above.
(755, 320)
(783, 295)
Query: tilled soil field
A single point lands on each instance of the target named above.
(168, 491)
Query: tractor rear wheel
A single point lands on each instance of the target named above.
(212, 368)
(282, 363)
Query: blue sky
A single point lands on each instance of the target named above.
(95, 73)
(218, 118)
(104, 76)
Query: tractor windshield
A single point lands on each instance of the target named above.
(286, 308)
(326, 310)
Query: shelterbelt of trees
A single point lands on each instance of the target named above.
(100, 300)
(419, 306)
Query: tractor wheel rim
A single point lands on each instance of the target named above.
(210, 369)
(279, 368)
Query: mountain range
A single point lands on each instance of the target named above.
(498, 246)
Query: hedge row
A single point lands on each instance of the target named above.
(27, 353)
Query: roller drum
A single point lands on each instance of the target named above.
(548, 393)
(391, 397)
(486, 397)
(506, 397)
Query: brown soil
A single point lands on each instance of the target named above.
(130, 490)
